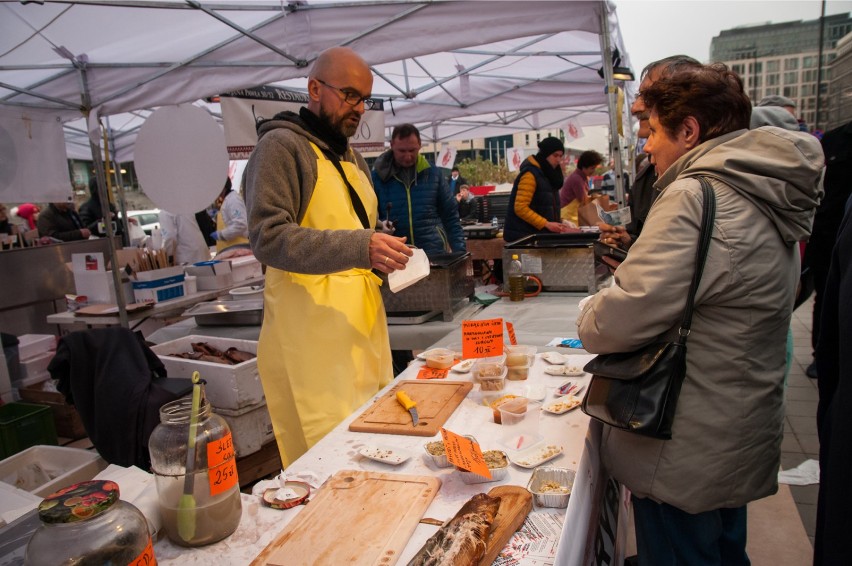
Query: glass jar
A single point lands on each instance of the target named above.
(87, 523)
(201, 506)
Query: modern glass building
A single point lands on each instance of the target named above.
(783, 59)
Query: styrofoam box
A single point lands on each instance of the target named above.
(14, 499)
(36, 365)
(228, 387)
(245, 267)
(251, 427)
(42, 470)
(30, 345)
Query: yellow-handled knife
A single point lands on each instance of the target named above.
(409, 405)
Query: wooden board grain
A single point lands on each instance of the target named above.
(436, 400)
(356, 518)
(515, 504)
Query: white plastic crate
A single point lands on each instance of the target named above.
(251, 427)
(42, 470)
(228, 387)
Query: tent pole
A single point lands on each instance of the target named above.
(611, 100)
(109, 140)
(102, 191)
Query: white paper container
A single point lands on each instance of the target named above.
(251, 427)
(62, 465)
(563, 476)
(228, 387)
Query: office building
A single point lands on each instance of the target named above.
(782, 59)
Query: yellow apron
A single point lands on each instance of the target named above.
(224, 244)
(324, 348)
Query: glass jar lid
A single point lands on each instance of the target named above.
(78, 502)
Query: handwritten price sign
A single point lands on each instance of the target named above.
(482, 338)
(222, 464)
(464, 453)
(432, 373)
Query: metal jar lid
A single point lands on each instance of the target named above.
(78, 502)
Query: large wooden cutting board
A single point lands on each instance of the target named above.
(356, 518)
(436, 400)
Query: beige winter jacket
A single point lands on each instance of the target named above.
(725, 446)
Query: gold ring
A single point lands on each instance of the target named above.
(386, 260)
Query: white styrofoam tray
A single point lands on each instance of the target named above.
(251, 427)
(30, 345)
(42, 470)
(228, 387)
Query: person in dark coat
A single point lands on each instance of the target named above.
(456, 181)
(59, 220)
(91, 212)
(534, 201)
(415, 195)
(832, 544)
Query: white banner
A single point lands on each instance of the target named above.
(514, 158)
(33, 165)
(242, 109)
(573, 130)
(447, 157)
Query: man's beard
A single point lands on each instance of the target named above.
(340, 126)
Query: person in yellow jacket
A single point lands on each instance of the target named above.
(324, 348)
(231, 225)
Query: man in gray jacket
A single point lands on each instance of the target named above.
(690, 492)
(324, 346)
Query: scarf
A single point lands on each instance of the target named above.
(552, 174)
(321, 129)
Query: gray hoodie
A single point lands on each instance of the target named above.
(726, 438)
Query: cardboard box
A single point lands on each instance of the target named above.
(42, 470)
(211, 275)
(159, 285)
(245, 267)
(251, 427)
(228, 387)
(68, 422)
(99, 287)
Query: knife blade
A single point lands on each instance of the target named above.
(409, 406)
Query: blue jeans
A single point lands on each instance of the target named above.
(667, 536)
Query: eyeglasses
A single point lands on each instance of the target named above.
(353, 98)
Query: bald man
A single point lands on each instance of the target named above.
(324, 347)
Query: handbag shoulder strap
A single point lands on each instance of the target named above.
(353, 195)
(707, 218)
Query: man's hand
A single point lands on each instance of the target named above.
(388, 253)
(557, 227)
(614, 235)
(85, 232)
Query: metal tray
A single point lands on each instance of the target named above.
(248, 312)
(568, 240)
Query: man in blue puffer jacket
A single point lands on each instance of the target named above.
(415, 196)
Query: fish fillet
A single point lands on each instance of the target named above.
(462, 541)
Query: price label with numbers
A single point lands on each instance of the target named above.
(432, 373)
(482, 338)
(222, 464)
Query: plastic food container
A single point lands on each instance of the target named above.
(440, 358)
(545, 477)
(519, 359)
(491, 383)
(493, 366)
(498, 472)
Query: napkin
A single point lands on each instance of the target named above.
(137, 487)
(416, 269)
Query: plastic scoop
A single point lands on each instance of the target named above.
(186, 507)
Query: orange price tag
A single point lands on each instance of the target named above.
(432, 373)
(511, 330)
(465, 453)
(147, 556)
(482, 338)
(222, 464)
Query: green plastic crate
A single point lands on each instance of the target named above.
(23, 425)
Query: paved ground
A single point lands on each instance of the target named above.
(800, 434)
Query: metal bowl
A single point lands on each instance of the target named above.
(562, 476)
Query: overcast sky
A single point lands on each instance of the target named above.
(653, 29)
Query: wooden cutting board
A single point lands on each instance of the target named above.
(356, 518)
(436, 400)
(515, 504)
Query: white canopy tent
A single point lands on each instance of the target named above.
(434, 60)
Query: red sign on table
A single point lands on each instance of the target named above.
(482, 338)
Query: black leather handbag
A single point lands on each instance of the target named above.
(638, 391)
